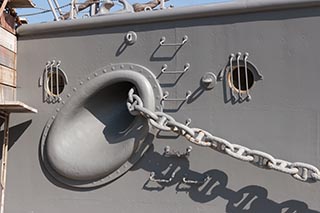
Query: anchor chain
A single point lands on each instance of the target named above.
(164, 122)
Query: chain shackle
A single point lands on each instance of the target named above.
(200, 137)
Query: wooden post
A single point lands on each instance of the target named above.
(4, 159)
(3, 6)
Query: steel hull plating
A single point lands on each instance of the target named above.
(282, 117)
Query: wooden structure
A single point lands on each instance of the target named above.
(8, 56)
(8, 74)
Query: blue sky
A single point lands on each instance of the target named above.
(43, 4)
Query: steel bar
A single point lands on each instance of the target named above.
(53, 10)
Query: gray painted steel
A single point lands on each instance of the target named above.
(282, 118)
(218, 9)
(93, 139)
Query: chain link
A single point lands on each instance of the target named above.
(240, 152)
(162, 121)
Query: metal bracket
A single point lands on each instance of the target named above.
(166, 94)
(165, 66)
(239, 76)
(163, 39)
(231, 73)
(172, 153)
(246, 55)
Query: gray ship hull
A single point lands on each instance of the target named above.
(281, 118)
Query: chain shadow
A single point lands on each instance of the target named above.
(213, 184)
(163, 168)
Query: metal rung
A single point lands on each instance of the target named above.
(163, 39)
(166, 94)
(165, 67)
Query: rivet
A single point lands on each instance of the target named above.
(96, 74)
(131, 67)
(113, 68)
(74, 89)
(68, 95)
(53, 117)
(81, 82)
(57, 109)
(121, 66)
(104, 70)
(63, 102)
(88, 78)
(155, 86)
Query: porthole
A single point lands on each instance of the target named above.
(245, 82)
(55, 83)
(239, 76)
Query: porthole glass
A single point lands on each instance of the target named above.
(245, 81)
(55, 83)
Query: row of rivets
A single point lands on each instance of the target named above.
(105, 71)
